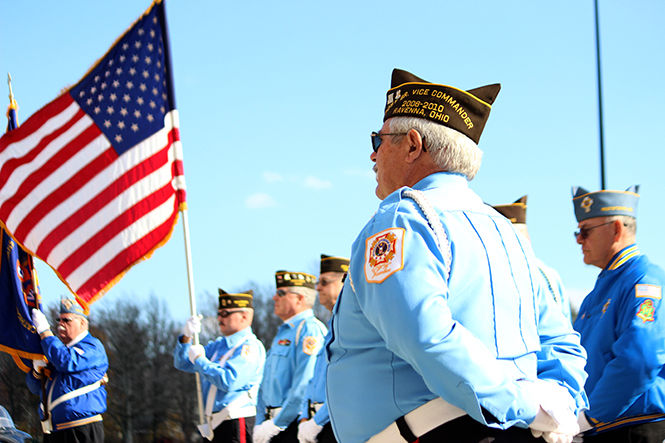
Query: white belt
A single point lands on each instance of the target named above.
(421, 420)
(47, 425)
(230, 412)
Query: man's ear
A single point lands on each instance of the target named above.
(619, 229)
(415, 143)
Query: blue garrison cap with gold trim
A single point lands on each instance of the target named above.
(605, 203)
(71, 306)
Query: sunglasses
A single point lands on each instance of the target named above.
(282, 292)
(225, 314)
(65, 320)
(323, 282)
(584, 232)
(376, 138)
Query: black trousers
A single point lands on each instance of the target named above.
(467, 430)
(288, 435)
(90, 433)
(326, 435)
(653, 432)
(238, 430)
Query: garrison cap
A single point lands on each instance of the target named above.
(463, 111)
(71, 306)
(334, 264)
(236, 300)
(515, 212)
(288, 278)
(605, 203)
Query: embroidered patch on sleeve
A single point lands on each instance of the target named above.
(646, 311)
(310, 345)
(384, 254)
(648, 291)
(246, 351)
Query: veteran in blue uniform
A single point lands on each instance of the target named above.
(314, 424)
(442, 332)
(516, 213)
(291, 358)
(74, 378)
(622, 323)
(231, 368)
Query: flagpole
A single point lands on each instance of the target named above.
(161, 10)
(600, 101)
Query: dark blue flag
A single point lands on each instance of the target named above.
(19, 292)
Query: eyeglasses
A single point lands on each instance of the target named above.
(225, 313)
(65, 320)
(324, 282)
(376, 138)
(584, 232)
(282, 292)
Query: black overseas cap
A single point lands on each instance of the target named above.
(464, 111)
(515, 212)
(235, 300)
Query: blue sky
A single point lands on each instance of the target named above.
(277, 101)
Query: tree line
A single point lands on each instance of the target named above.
(148, 399)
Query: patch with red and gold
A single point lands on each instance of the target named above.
(310, 345)
(646, 311)
(284, 342)
(384, 254)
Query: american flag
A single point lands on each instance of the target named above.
(92, 182)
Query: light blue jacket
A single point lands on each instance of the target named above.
(403, 333)
(242, 371)
(316, 390)
(622, 323)
(290, 366)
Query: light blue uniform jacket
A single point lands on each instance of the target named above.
(289, 367)
(622, 323)
(410, 336)
(316, 390)
(242, 371)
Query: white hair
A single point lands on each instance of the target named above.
(451, 150)
(308, 293)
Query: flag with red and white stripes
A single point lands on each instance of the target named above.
(92, 182)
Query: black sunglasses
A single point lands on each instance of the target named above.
(584, 232)
(64, 320)
(376, 138)
(225, 314)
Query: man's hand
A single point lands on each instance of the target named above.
(265, 431)
(40, 321)
(555, 421)
(192, 326)
(308, 430)
(194, 352)
(583, 422)
(38, 365)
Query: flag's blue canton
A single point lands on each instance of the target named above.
(126, 93)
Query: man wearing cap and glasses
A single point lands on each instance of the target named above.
(622, 323)
(314, 424)
(71, 385)
(440, 332)
(290, 363)
(231, 368)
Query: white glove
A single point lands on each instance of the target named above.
(192, 326)
(308, 430)
(552, 437)
(37, 365)
(583, 423)
(556, 412)
(195, 351)
(265, 431)
(40, 321)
